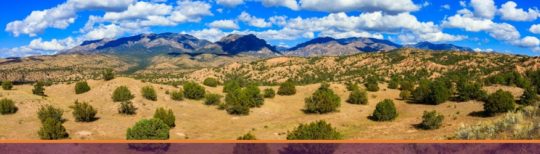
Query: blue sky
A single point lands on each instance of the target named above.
(45, 27)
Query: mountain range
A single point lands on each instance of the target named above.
(175, 44)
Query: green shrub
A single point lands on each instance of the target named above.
(148, 129)
(499, 102)
(83, 112)
(372, 84)
(193, 90)
(177, 95)
(269, 93)
(247, 136)
(405, 94)
(81, 87)
(319, 130)
(393, 84)
(435, 92)
(351, 86)
(52, 129)
(406, 85)
(7, 85)
(212, 99)
(385, 111)
(254, 96)
(235, 102)
(211, 82)
(233, 84)
(39, 89)
(358, 96)
(529, 96)
(7, 106)
(127, 108)
(122, 94)
(324, 100)
(49, 112)
(287, 88)
(431, 120)
(149, 93)
(108, 74)
(167, 116)
(468, 91)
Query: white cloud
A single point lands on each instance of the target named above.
(509, 11)
(208, 34)
(348, 34)
(224, 24)
(483, 50)
(535, 29)
(139, 10)
(292, 4)
(229, 3)
(53, 45)
(484, 8)
(388, 6)
(60, 16)
(446, 6)
(253, 21)
(278, 20)
(528, 42)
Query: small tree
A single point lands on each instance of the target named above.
(210, 82)
(431, 120)
(405, 94)
(351, 86)
(127, 108)
(439, 93)
(212, 99)
(247, 136)
(49, 112)
(269, 93)
(7, 106)
(81, 87)
(39, 89)
(393, 84)
(529, 96)
(148, 129)
(324, 100)
(319, 130)
(52, 129)
(235, 102)
(406, 85)
(193, 90)
(254, 97)
(385, 111)
(287, 88)
(122, 94)
(468, 91)
(108, 74)
(499, 102)
(83, 112)
(233, 84)
(149, 93)
(358, 96)
(167, 116)
(177, 95)
(372, 84)
(7, 85)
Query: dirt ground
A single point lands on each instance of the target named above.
(194, 120)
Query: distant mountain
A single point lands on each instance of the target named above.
(235, 44)
(327, 46)
(439, 47)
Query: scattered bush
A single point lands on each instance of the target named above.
(122, 94)
(529, 96)
(405, 94)
(385, 111)
(351, 86)
(287, 88)
(177, 95)
(254, 97)
(319, 130)
(235, 102)
(406, 85)
(247, 136)
(149, 93)
(269, 93)
(468, 91)
(435, 92)
(393, 84)
(372, 84)
(81, 87)
(83, 112)
(431, 120)
(148, 129)
(211, 82)
(127, 108)
(52, 129)
(39, 89)
(108, 74)
(233, 84)
(324, 100)
(499, 102)
(167, 116)
(193, 90)
(7, 106)
(358, 96)
(212, 99)
(7, 85)
(49, 112)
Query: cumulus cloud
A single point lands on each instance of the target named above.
(388, 6)
(446, 6)
(224, 24)
(484, 8)
(211, 34)
(509, 11)
(253, 21)
(535, 29)
(292, 4)
(229, 3)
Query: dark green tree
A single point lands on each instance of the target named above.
(247, 136)
(211, 82)
(81, 87)
(108, 74)
(287, 88)
(39, 89)
(149, 93)
(385, 111)
(7, 106)
(212, 99)
(49, 112)
(319, 130)
(269, 93)
(193, 90)
(52, 129)
(431, 120)
(468, 91)
(127, 108)
(177, 95)
(122, 94)
(499, 102)
(235, 102)
(83, 112)
(324, 100)
(167, 116)
(529, 97)
(7, 85)
(405, 94)
(358, 96)
(148, 129)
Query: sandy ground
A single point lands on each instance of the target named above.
(194, 120)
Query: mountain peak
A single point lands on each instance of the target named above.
(434, 46)
(235, 43)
